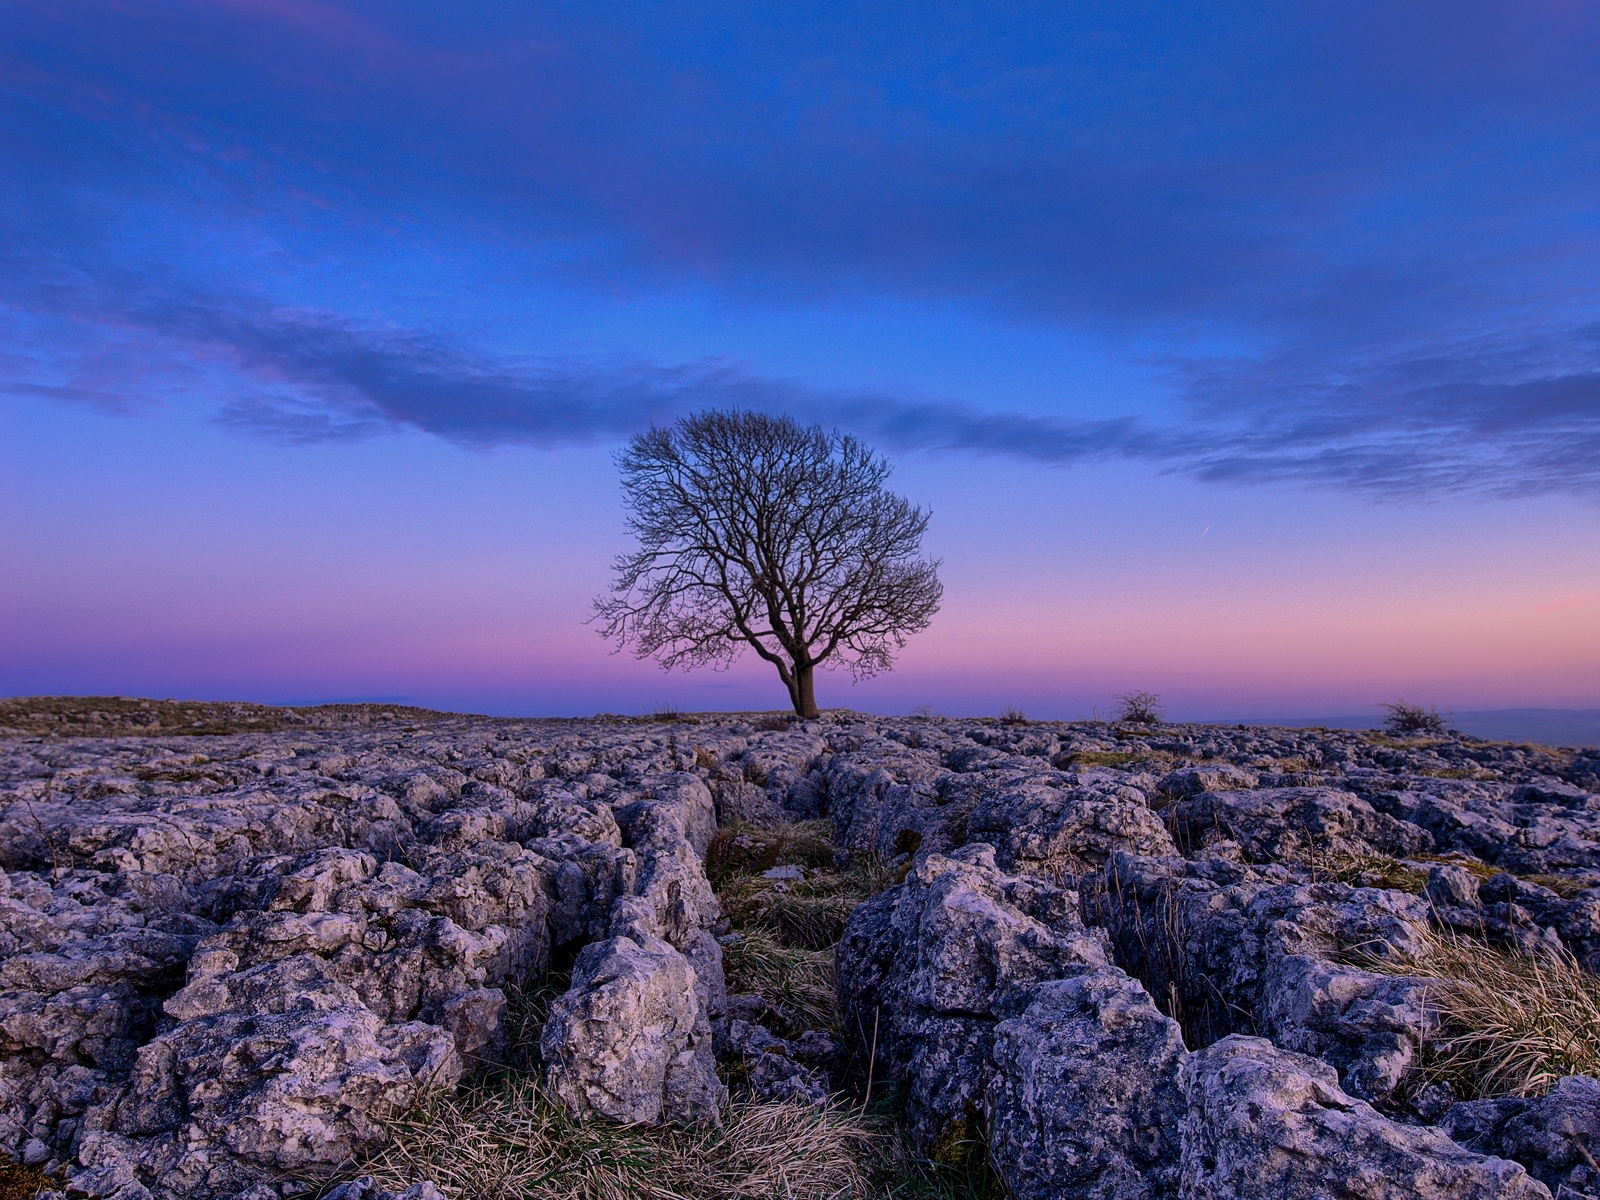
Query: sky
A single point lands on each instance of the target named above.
(1244, 353)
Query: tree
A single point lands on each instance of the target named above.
(754, 531)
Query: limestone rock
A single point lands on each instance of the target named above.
(1555, 1136)
(1265, 1122)
(927, 970)
(1085, 1101)
(630, 1041)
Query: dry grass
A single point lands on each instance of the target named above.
(799, 980)
(514, 1141)
(751, 849)
(1110, 758)
(18, 1182)
(807, 913)
(1565, 886)
(1511, 1024)
(1472, 866)
(1411, 875)
(1367, 870)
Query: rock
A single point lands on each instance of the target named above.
(773, 1068)
(1209, 777)
(1284, 824)
(1265, 1122)
(630, 1041)
(221, 956)
(1555, 1136)
(1051, 829)
(366, 1188)
(1452, 887)
(1239, 952)
(927, 969)
(1090, 1044)
(741, 803)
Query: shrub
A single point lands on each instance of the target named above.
(1406, 719)
(1139, 708)
(1012, 715)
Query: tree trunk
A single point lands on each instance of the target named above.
(804, 692)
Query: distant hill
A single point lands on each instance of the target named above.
(1546, 726)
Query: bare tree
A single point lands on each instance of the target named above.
(755, 531)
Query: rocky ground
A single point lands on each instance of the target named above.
(236, 944)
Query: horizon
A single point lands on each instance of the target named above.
(1244, 355)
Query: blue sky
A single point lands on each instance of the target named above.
(322, 320)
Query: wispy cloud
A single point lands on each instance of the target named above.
(302, 376)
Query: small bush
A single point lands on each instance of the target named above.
(1013, 715)
(1511, 1024)
(1139, 708)
(1405, 720)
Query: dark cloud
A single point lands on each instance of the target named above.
(1385, 211)
(316, 378)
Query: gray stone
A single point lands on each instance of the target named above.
(1264, 1122)
(630, 1041)
(1555, 1136)
(1085, 1101)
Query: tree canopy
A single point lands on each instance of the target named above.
(757, 532)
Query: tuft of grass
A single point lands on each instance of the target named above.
(799, 980)
(1012, 715)
(1510, 1024)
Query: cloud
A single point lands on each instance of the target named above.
(1382, 213)
(300, 376)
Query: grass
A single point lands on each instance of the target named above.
(1013, 716)
(1411, 875)
(1565, 886)
(124, 716)
(514, 1141)
(800, 981)
(1511, 1024)
(1367, 870)
(1111, 758)
(18, 1182)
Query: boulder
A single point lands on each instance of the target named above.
(629, 1041)
(1265, 1122)
(1084, 1101)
